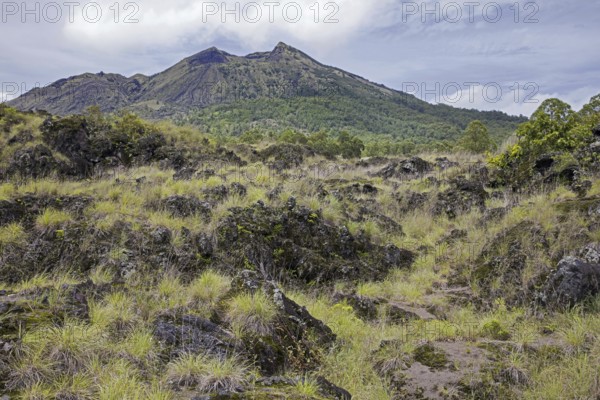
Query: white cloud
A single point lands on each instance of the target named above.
(173, 23)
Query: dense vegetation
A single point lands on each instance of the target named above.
(400, 119)
(143, 260)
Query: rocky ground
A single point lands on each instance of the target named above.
(153, 262)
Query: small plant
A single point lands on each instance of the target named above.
(252, 313)
(12, 234)
(494, 330)
(76, 386)
(101, 275)
(119, 380)
(209, 287)
(139, 344)
(116, 311)
(208, 374)
(307, 387)
(52, 218)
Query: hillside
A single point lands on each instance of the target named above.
(284, 88)
(144, 260)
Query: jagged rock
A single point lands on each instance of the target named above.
(193, 334)
(369, 189)
(572, 283)
(285, 155)
(399, 169)
(397, 312)
(461, 198)
(216, 194)
(389, 225)
(275, 381)
(494, 214)
(274, 193)
(443, 163)
(161, 236)
(514, 376)
(185, 206)
(290, 204)
(36, 162)
(410, 201)
(11, 211)
(21, 138)
(501, 263)
(454, 236)
(590, 253)
(238, 189)
(394, 257)
(204, 244)
(299, 245)
(295, 332)
(364, 307)
(368, 162)
(331, 391)
(184, 174)
(544, 163)
(581, 188)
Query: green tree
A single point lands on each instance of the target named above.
(549, 128)
(322, 143)
(350, 146)
(252, 136)
(476, 138)
(553, 127)
(292, 136)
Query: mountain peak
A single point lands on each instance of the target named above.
(283, 46)
(284, 51)
(212, 55)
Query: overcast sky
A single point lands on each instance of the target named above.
(485, 55)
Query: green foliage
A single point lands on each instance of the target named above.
(476, 138)
(494, 330)
(400, 118)
(252, 136)
(350, 147)
(553, 127)
(9, 117)
(293, 136)
(132, 126)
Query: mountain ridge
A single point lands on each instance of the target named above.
(284, 81)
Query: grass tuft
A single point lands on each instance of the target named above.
(251, 313)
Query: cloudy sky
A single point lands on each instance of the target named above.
(503, 55)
